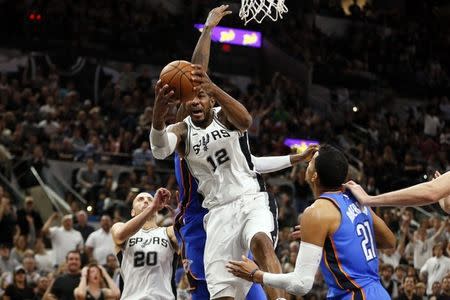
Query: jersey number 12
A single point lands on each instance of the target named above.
(221, 156)
(363, 229)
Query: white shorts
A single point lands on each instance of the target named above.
(229, 231)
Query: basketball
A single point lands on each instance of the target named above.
(177, 75)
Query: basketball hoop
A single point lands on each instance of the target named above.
(259, 9)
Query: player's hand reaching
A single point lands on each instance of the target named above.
(164, 101)
(216, 14)
(308, 154)
(162, 197)
(297, 234)
(245, 269)
(357, 191)
(201, 80)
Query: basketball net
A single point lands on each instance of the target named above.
(259, 9)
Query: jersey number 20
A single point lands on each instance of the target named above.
(141, 258)
(363, 229)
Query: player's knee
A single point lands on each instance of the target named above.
(260, 243)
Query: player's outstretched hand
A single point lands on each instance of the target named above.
(245, 269)
(357, 191)
(162, 197)
(308, 154)
(163, 99)
(200, 79)
(216, 14)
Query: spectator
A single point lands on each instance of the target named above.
(445, 294)
(435, 290)
(82, 225)
(19, 290)
(91, 284)
(42, 286)
(44, 260)
(65, 284)
(112, 267)
(421, 290)
(7, 263)
(29, 216)
(7, 221)
(100, 243)
(142, 155)
(390, 284)
(432, 124)
(87, 178)
(20, 246)
(64, 238)
(435, 268)
(29, 265)
(408, 291)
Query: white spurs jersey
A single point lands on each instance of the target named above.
(146, 265)
(220, 160)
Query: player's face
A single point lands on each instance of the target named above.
(200, 107)
(140, 203)
(311, 174)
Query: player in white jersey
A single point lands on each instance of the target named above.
(145, 251)
(214, 144)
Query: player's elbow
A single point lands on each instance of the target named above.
(159, 153)
(301, 287)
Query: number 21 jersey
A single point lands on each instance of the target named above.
(146, 265)
(219, 159)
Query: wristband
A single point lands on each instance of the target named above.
(252, 274)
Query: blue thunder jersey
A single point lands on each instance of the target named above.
(349, 262)
(189, 221)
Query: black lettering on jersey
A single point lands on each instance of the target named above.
(205, 142)
(134, 241)
(224, 133)
(146, 243)
(164, 243)
(196, 148)
(216, 134)
(155, 240)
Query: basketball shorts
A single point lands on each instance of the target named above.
(371, 291)
(229, 231)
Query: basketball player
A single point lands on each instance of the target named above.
(214, 144)
(336, 226)
(189, 221)
(145, 251)
(437, 190)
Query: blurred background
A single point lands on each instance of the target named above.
(76, 97)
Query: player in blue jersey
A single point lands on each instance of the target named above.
(337, 233)
(189, 220)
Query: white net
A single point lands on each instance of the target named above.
(258, 10)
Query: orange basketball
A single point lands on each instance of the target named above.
(177, 75)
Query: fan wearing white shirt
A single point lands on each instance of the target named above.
(64, 238)
(100, 243)
(436, 267)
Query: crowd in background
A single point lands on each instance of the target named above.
(48, 117)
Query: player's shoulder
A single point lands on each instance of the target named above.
(322, 210)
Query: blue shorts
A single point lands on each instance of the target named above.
(201, 292)
(371, 291)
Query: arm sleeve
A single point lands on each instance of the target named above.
(301, 280)
(270, 164)
(163, 143)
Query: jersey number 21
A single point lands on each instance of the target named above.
(363, 229)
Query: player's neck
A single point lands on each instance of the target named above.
(150, 224)
(318, 191)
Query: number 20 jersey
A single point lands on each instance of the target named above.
(349, 262)
(219, 159)
(146, 265)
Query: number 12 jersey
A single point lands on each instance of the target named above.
(219, 159)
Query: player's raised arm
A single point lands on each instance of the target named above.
(122, 231)
(232, 112)
(163, 140)
(421, 194)
(202, 49)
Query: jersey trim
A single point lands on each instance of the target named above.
(216, 118)
(342, 278)
(187, 146)
(245, 149)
